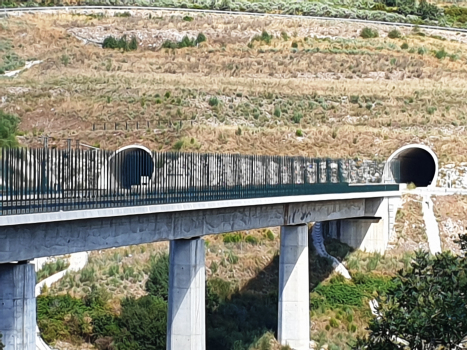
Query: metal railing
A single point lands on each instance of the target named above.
(51, 180)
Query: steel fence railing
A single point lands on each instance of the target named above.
(50, 180)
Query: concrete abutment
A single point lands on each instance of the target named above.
(18, 306)
(294, 316)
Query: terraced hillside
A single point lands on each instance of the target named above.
(269, 85)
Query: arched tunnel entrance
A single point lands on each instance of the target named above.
(415, 164)
(129, 166)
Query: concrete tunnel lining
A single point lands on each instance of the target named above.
(416, 164)
(127, 167)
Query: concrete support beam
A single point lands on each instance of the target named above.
(28, 241)
(294, 294)
(186, 320)
(369, 234)
(18, 306)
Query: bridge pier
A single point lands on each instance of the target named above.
(186, 321)
(18, 306)
(294, 295)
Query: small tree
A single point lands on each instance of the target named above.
(1, 344)
(8, 128)
(426, 309)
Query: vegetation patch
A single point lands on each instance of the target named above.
(51, 268)
(185, 42)
(122, 43)
(8, 129)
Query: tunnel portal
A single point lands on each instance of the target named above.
(415, 164)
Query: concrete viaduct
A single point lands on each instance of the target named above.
(60, 202)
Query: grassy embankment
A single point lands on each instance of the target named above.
(294, 93)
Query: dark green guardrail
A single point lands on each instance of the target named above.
(51, 180)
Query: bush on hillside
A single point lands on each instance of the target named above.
(158, 281)
(111, 42)
(368, 33)
(185, 42)
(8, 128)
(143, 323)
(395, 34)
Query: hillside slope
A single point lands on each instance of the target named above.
(304, 87)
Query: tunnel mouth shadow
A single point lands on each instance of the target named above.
(416, 164)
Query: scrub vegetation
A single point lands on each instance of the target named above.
(241, 294)
(251, 85)
(254, 85)
(51, 268)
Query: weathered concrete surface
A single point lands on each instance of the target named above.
(294, 289)
(24, 242)
(18, 306)
(186, 320)
(369, 233)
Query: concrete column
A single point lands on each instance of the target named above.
(294, 294)
(18, 306)
(186, 320)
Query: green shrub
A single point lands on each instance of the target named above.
(264, 37)
(294, 44)
(333, 322)
(348, 293)
(299, 133)
(284, 36)
(440, 54)
(277, 111)
(179, 145)
(251, 239)
(51, 268)
(379, 6)
(8, 129)
(297, 117)
(404, 46)
(234, 237)
(143, 324)
(111, 42)
(422, 50)
(395, 34)
(158, 280)
(187, 19)
(122, 14)
(213, 101)
(368, 33)
(428, 11)
(200, 38)
(88, 274)
(185, 42)
(270, 235)
(431, 109)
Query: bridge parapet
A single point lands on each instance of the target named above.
(48, 180)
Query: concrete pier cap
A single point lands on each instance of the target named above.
(412, 163)
(129, 166)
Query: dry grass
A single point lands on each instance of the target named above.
(409, 230)
(355, 96)
(451, 213)
(124, 271)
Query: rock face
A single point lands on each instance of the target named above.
(453, 176)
